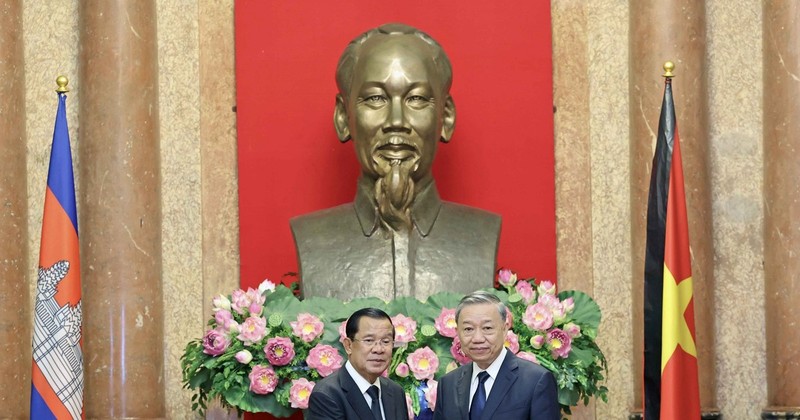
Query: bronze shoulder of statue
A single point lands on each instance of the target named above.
(397, 238)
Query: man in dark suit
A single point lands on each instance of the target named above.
(358, 391)
(497, 384)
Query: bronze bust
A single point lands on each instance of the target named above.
(397, 238)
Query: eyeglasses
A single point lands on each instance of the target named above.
(371, 342)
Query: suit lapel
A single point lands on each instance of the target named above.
(462, 391)
(502, 384)
(388, 398)
(354, 395)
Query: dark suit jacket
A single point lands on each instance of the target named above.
(522, 390)
(337, 397)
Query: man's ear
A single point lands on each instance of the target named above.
(448, 119)
(340, 119)
(348, 345)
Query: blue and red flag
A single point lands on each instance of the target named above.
(57, 380)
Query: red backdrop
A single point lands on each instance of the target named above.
(290, 162)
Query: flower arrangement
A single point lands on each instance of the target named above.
(266, 349)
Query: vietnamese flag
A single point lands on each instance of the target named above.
(671, 389)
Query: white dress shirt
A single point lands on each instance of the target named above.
(492, 370)
(363, 385)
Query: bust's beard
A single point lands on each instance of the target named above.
(394, 194)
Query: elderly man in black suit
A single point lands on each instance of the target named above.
(357, 391)
(497, 384)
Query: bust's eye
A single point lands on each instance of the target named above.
(375, 100)
(418, 101)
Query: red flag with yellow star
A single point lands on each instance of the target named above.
(671, 389)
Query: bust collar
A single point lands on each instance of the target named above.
(424, 210)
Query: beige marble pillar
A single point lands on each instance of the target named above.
(782, 205)
(121, 210)
(673, 30)
(15, 332)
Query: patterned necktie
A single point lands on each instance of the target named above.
(374, 393)
(479, 399)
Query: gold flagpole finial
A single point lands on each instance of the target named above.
(62, 83)
(668, 67)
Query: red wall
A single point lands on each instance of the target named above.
(290, 162)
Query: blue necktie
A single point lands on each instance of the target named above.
(479, 399)
(374, 392)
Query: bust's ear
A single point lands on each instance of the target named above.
(448, 119)
(340, 120)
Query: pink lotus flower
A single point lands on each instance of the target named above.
(307, 327)
(423, 363)
(506, 278)
(547, 287)
(241, 300)
(537, 341)
(266, 286)
(300, 392)
(430, 393)
(559, 343)
(410, 406)
(255, 309)
(525, 290)
(220, 302)
(215, 342)
(342, 331)
(568, 304)
(279, 351)
(512, 342)
(446, 323)
(509, 318)
(325, 359)
(244, 357)
(404, 329)
(262, 380)
(538, 317)
(224, 319)
(401, 370)
(573, 329)
(458, 353)
(252, 330)
(528, 356)
(551, 301)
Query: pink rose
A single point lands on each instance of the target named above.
(325, 359)
(404, 329)
(547, 287)
(538, 317)
(410, 406)
(252, 330)
(430, 393)
(446, 323)
(537, 341)
(525, 290)
(342, 331)
(279, 351)
(423, 363)
(244, 357)
(215, 342)
(299, 393)
(262, 380)
(307, 327)
(559, 343)
(506, 278)
(401, 370)
(528, 356)
(458, 353)
(512, 342)
(573, 329)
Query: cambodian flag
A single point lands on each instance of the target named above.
(57, 388)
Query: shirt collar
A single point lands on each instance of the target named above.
(424, 210)
(494, 368)
(362, 384)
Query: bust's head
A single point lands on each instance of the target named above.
(394, 102)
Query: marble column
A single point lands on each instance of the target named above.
(15, 332)
(782, 206)
(673, 30)
(121, 210)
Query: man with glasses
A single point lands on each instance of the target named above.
(497, 385)
(358, 391)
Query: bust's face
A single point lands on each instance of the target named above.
(395, 106)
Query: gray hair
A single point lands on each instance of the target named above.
(481, 297)
(347, 62)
